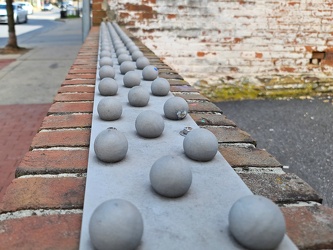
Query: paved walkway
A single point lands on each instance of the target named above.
(28, 84)
(19, 123)
(297, 132)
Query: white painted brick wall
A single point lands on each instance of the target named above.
(214, 40)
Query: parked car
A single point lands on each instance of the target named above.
(27, 6)
(47, 7)
(20, 15)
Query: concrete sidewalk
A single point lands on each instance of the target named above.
(28, 84)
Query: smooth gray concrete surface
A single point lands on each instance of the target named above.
(299, 133)
(36, 76)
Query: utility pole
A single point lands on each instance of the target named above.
(86, 18)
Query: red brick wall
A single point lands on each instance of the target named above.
(98, 12)
(42, 207)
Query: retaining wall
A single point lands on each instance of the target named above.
(237, 49)
(42, 208)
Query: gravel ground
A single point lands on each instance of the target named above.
(299, 133)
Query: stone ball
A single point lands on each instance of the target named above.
(116, 225)
(257, 223)
(106, 71)
(170, 176)
(142, 62)
(133, 48)
(121, 50)
(126, 66)
(130, 43)
(175, 108)
(119, 45)
(136, 54)
(200, 145)
(110, 145)
(160, 87)
(106, 46)
(108, 86)
(109, 109)
(124, 57)
(105, 53)
(149, 73)
(131, 79)
(105, 61)
(124, 37)
(138, 96)
(149, 124)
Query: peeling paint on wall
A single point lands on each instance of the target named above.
(217, 41)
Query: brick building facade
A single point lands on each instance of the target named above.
(262, 47)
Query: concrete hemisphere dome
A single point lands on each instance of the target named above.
(109, 109)
(127, 66)
(105, 61)
(142, 62)
(124, 57)
(105, 53)
(136, 54)
(106, 71)
(116, 224)
(121, 50)
(175, 108)
(160, 87)
(110, 145)
(150, 73)
(149, 124)
(257, 223)
(200, 145)
(131, 79)
(108, 87)
(170, 176)
(138, 96)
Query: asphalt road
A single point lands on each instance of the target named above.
(27, 33)
(299, 133)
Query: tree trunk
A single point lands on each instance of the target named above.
(12, 40)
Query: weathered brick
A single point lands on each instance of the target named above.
(138, 7)
(41, 232)
(203, 107)
(310, 227)
(231, 135)
(44, 193)
(280, 188)
(191, 96)
(53, 162)
(74, 97)
(170, 75)
(61, 138)
(204, 119)
(248, 157)
(90, 70)
(165, 68)
(77, 89)
(80, 76)
(78, 81)
(182, 88)
(71, 107)
(67, 121)
(178, 82)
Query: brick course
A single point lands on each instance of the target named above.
(43, 205)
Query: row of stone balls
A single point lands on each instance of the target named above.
(124, 48)
(254, 221)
